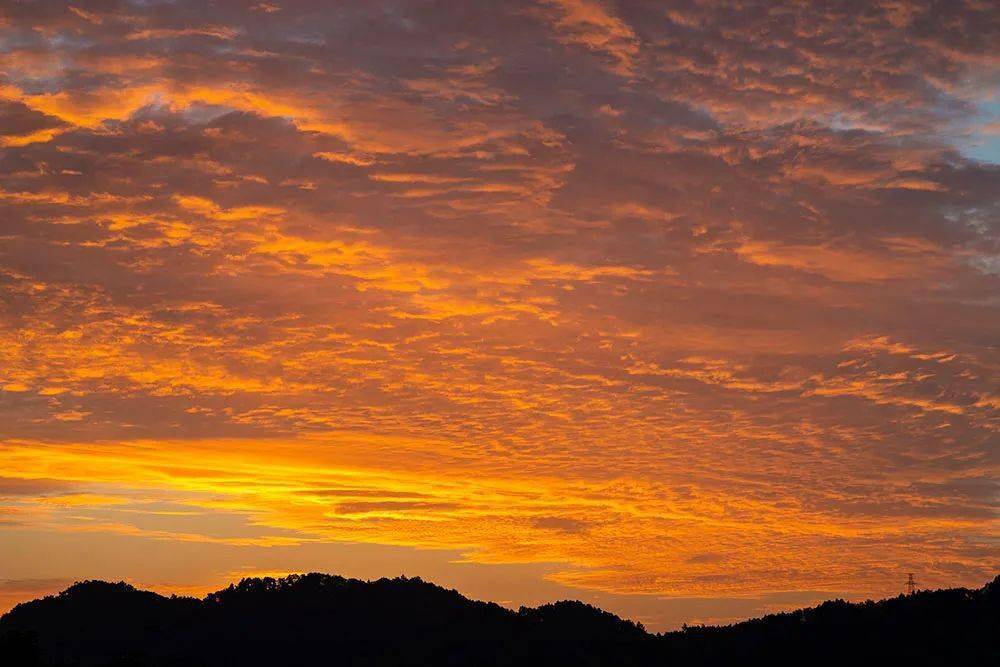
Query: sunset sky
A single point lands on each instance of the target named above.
(687, 309)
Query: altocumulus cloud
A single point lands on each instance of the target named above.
(688, 299)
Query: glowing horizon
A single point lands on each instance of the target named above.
(688, 309)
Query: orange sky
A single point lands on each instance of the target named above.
(688, 309)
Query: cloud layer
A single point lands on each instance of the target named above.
(683, 299)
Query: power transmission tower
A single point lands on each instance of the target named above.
(911, 585)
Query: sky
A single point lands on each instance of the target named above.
(687, 309)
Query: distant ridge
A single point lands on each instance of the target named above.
(319, 619)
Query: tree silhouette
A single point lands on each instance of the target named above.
(319, 619)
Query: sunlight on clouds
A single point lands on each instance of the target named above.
(313, 490)
(693, 301)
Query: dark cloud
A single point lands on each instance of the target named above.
(15, 486)
(562, 524)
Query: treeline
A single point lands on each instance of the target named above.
(319, 619)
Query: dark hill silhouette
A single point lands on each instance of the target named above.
(319, 619)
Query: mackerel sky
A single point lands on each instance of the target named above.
(690, 309)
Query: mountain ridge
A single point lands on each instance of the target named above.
(317, 619)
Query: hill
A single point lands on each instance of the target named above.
(319, 619)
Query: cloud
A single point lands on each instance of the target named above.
(592, 25)
(601, 285)
(23, 125)
(15, 486)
